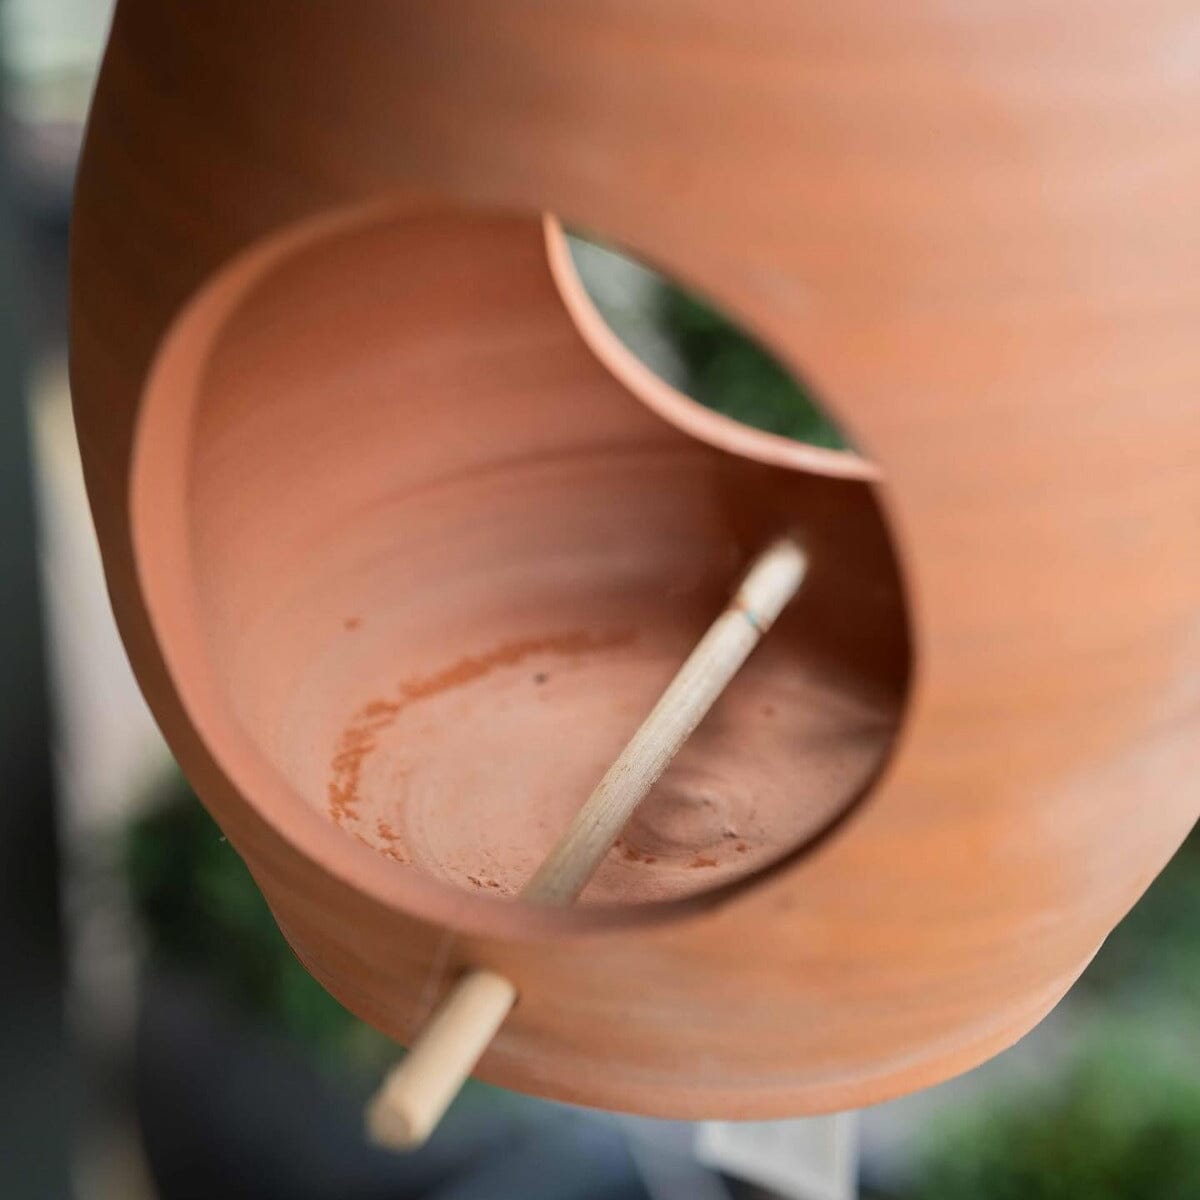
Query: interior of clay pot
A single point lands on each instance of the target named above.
(442, 563)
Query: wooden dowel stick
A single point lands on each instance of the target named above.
(769, 584)
(418, 1090)
(411, 1100)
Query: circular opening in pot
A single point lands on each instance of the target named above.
(694, 364)
(419, 566)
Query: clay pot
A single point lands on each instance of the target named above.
(402, 548)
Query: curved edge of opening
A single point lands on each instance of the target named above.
(680, 410)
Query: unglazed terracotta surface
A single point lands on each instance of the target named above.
(400, 563)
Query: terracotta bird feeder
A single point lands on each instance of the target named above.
(405, 546)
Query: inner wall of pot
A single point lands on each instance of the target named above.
(447, 564)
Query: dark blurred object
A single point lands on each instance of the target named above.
(238, 1112)
(37, 1096)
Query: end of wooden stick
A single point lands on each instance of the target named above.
(772, 580)
(389, 1126)
(412, 1098)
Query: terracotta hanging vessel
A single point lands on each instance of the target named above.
(402, 544)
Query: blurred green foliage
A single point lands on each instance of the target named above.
(1122, 1123)
(1122, 1120)
(1153, 957)
(728, 372)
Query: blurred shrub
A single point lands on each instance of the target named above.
(693, 347)
(728, 372)
(1153, 956)
(1122, 1124)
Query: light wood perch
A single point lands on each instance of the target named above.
(416, 1093)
